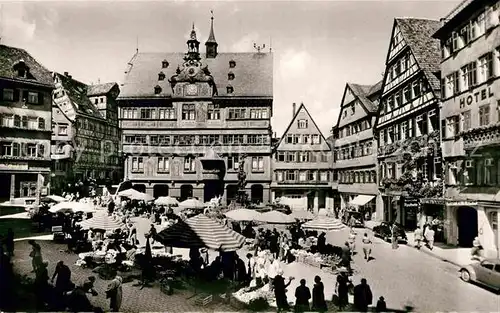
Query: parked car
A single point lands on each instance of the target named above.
(486, 272)
(384, 231)
(353, 219)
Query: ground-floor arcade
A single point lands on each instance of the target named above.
(258, 192)
(20, 184)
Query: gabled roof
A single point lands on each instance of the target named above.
(417, 34)
(363, 93)
(302, 106)
(100, 89)
(10, 56)
(253, 74)
(77, 93)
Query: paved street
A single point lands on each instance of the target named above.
(406, 276)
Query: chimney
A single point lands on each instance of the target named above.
(66, 74)
(294, 108)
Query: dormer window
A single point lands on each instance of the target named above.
(161, 76)
(164, 64)
(230, 76)
(230, 89)
(157, 90)
(232, 64)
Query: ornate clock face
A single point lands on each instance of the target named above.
(191, 90)
(191, 71)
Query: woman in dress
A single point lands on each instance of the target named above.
(280, 293)
(367, 247)
(342, 290)
(318, 296)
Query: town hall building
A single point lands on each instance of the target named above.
(190, 119)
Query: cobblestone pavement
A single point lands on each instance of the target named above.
(134, 299)
(406, 275)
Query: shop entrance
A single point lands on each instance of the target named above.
(467, 226)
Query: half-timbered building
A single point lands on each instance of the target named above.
(354, 150)
(301, 163)
(408, 126)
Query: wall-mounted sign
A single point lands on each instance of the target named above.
(476, 97)
(14, 166)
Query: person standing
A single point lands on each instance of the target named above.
(36, 255)
(346, 257)
(476, 249)
(152, 233)
(9, 242)
(363, 296)
(280, 293)
(394, 236)
(352, 241)
(302, 296)
(418, 235)
(318, 296)
(342, 290)
(429, 236)
(367, 247)
(250, 268)
(381, 305)
(63, 282)
(41, 285)
(114, 294)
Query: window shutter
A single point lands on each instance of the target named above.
(40, 98)
(16, 95)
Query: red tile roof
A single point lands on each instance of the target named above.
(253, 74)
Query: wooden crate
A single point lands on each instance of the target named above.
(203, 300)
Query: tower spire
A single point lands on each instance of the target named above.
(211, 44)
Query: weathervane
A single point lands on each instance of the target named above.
(258, 48)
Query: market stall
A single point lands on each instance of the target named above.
(199, 232)
(275, 217)
(245, 215)
(72, 207)
(167, 201)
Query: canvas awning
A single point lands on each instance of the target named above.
(361, 200)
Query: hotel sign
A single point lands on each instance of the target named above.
(476, 97)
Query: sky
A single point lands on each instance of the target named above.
(317, 46)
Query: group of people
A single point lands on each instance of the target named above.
(60, 293)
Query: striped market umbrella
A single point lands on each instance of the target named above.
(276, 217)
(242, 215)
(103, 222)
(201, 231)
(324, 224)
